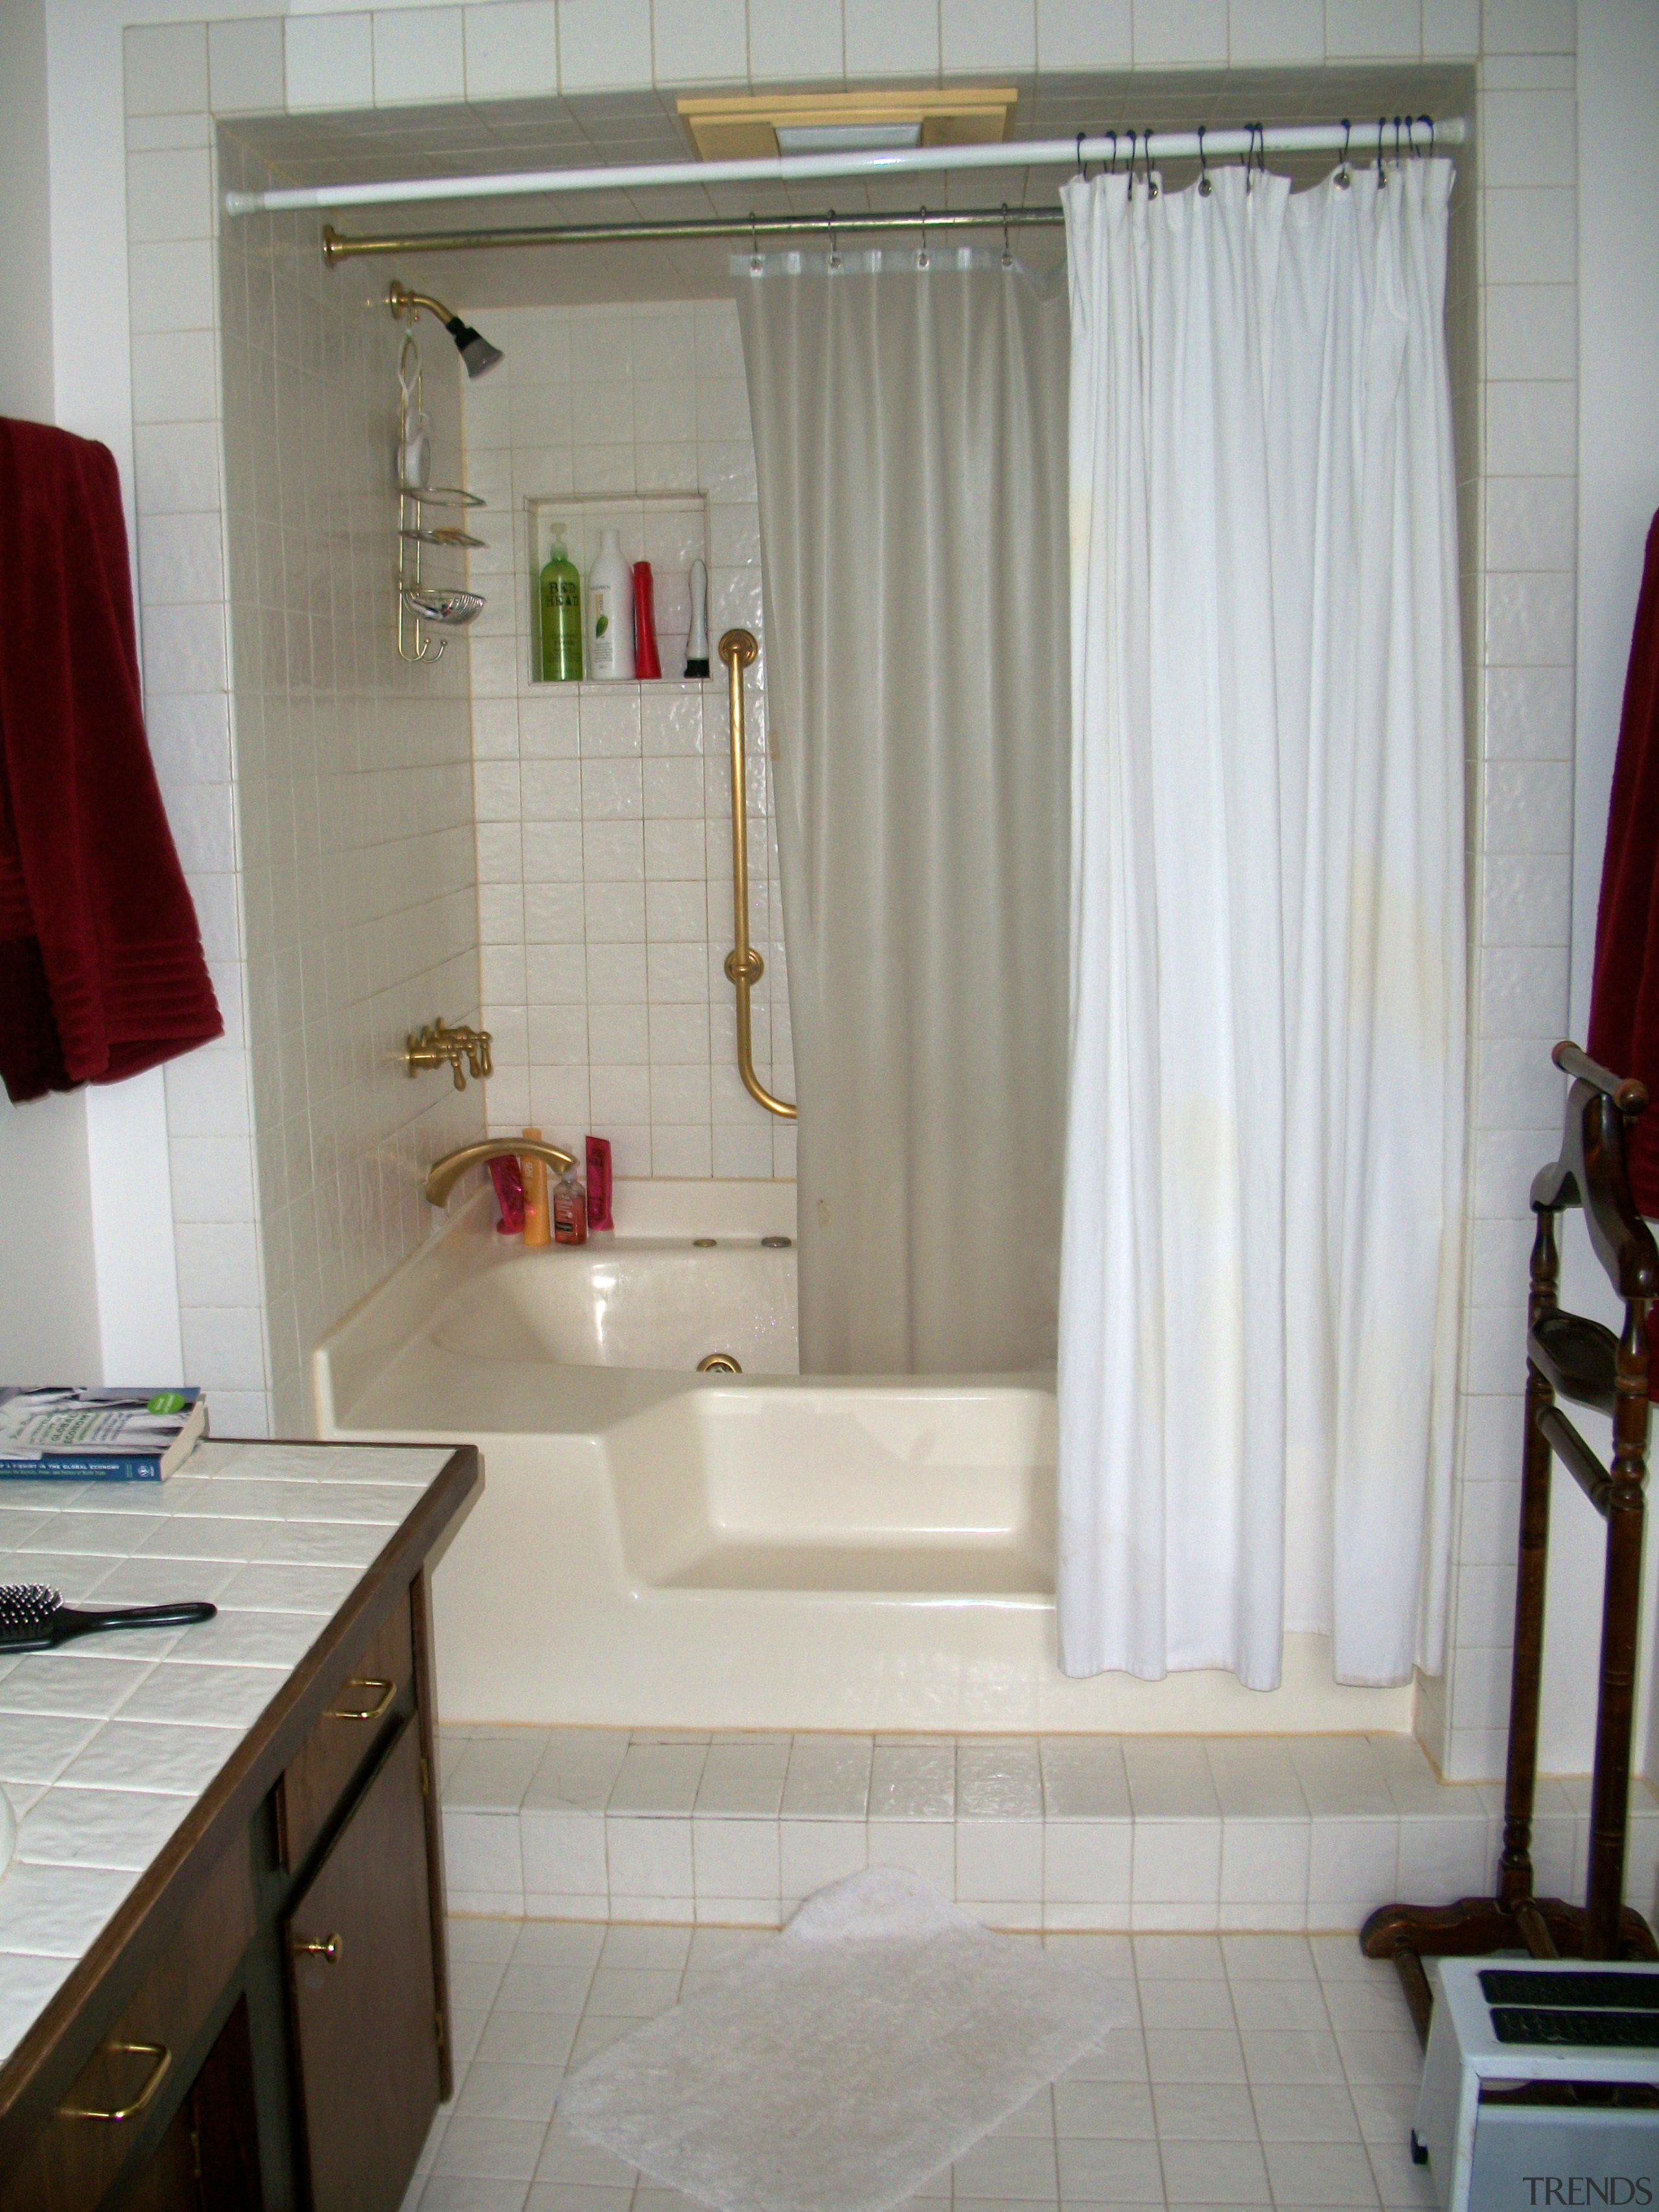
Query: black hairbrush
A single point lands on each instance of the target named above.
(33, 1619)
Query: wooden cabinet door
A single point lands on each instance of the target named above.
(365, 2002)
(360, 1716)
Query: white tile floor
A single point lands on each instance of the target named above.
(1264, 2070)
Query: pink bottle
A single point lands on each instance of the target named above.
(599, 1183)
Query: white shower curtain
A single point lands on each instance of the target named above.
(1265, 1119)
(910, 446)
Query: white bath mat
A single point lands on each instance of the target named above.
(833, 2071)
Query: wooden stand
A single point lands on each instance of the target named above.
(1573, 1358)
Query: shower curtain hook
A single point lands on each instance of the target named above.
(754, 246)
(1342, 177)
(1382, 171)
(1082, 166)
(1115, 153)
(922, 261)
(1429, 119)
(1205, 187)
(1008, 258)
(835, 242)
(1146, 156)
(1397, 122)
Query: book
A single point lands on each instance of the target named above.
(65, 1434)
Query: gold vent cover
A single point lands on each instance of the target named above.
(744, 127)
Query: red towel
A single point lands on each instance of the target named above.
(101, 971)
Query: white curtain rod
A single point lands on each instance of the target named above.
(1362, 141)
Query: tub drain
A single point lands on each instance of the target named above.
(718, 1362)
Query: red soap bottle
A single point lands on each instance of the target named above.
(646, 662)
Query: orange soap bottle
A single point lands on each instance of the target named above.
(537, 1228)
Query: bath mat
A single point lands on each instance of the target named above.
(882, 2033)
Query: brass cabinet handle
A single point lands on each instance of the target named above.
(157, 2075)
(388, 1690)
(330, 1948)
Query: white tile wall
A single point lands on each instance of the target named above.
(1058, 1832)
(1515, 322)
(1514, 300)
(354, 793)
(605, 867)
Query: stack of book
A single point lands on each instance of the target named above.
(71, 1434)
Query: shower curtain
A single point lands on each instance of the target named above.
(1261, 1243)
(911, 441)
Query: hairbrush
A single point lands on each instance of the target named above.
(32, 1619)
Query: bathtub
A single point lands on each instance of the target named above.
(657, 1547)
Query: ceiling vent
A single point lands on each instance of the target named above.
(752, 127)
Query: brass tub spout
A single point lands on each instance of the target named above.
(443, 1174)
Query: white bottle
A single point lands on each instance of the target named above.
(610, 611)
(696, 646)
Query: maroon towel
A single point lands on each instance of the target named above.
(101, 971)
(1624, 1023)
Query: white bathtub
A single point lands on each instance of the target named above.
(659, 1548)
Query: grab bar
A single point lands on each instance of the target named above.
(743, 965)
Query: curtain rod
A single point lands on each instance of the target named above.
(340, 246)
(1393, 134)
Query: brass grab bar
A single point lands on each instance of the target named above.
(743, 965)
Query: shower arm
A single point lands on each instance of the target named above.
(743, 965)
(407, 305)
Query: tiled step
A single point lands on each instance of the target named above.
(1090, 1833)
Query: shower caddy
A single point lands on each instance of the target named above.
(421, 608)
(1571, 1356)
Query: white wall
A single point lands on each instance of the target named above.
(1530, 168)
(48, 1279)
(358, 907)
(605, 810)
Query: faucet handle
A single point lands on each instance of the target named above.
(437, 1045)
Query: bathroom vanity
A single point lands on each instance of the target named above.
(222, 1979)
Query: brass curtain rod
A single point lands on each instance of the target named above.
(338, 246)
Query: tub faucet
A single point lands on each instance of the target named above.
(443, 1174)
(438, 1046)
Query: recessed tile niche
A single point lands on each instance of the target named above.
(668, 529)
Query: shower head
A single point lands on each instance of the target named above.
(476, 350)
(477, 353)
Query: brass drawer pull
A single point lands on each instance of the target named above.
(330, 1948)
(388, 1690)
(158, 2073)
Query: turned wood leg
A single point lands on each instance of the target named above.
(1615, 1709)
(1527, 1666)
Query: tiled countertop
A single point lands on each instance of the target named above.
(107, 1743)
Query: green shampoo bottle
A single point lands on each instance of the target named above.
(559, 610)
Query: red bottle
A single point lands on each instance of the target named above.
(646, 662)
